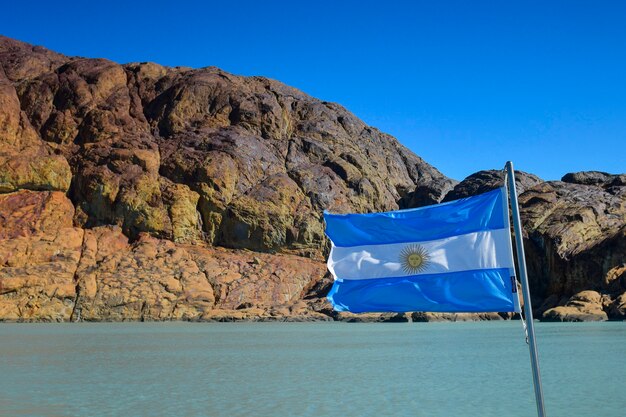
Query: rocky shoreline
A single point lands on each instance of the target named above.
(139, 192)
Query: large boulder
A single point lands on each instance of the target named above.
(602, 179)
(484, 181)
(584, 306)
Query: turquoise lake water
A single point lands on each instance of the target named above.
(309, 369)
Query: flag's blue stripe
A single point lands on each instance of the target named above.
(482, 212)
(458, 292)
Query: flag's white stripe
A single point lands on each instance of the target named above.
(480, 250)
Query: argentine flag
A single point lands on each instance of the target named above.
(450, 257)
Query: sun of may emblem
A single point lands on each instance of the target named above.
(414, 259)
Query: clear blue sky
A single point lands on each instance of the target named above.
(464, 84)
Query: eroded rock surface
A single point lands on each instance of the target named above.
(39, 252)
(52, 271)
(574, 238)
(120, 183)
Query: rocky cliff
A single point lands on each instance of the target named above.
(574, 239)
(142, 192)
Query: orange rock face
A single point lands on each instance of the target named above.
(28, 212)
(156, 279)
(51, 271)
(39, 252)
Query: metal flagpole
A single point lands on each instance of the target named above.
(528, 311)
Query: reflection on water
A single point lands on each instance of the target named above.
(308, 369)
